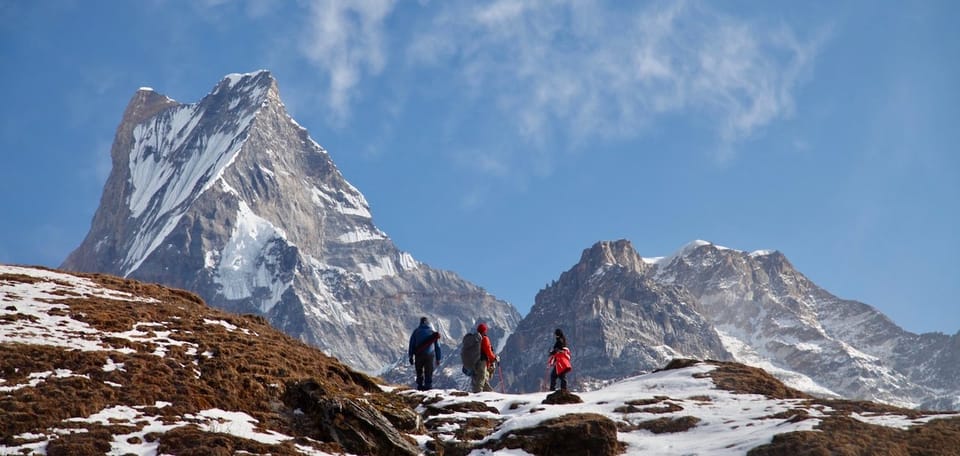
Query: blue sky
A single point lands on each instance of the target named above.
(500, 139)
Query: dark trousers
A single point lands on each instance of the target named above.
(424, 366)
(554, 377)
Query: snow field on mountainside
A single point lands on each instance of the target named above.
(178, 173)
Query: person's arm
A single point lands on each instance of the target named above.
(413, 339)
(436, 347)
(488, 350)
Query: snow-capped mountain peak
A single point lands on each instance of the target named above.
(231, 198)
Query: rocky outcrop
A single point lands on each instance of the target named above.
(356, 425)
(579, 433)
(562, 397)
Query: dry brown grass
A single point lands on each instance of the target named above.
(740, 378)
(845, 436)
(245, 372)
(190, 441)
(743, 379)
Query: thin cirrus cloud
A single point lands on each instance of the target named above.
(345, 40)
(573, 70)
(604, 72)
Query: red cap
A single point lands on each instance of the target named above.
(482, 328)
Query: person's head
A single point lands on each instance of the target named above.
(482, 328)
(557, 332)
(424, 321)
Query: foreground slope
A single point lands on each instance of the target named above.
(94, 364)
(691, 407)
(231, 198)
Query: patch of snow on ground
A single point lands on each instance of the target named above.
(42, 321)
(897, 421)
(36, 378)
(111, 366)
(238, 424)
(230, 327)
(730, 424)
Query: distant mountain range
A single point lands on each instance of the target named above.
(231, 199)
(624, 314)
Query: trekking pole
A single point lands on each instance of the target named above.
(500, 370)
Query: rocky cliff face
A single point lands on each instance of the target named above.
(231, 198)
(617, 322)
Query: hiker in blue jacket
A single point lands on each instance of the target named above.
(424, 351)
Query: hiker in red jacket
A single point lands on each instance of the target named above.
(423, 352)
(560, 360)
(481, 378)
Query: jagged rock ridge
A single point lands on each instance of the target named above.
(231, 198)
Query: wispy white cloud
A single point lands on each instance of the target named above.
(589, 70)
(345, 40)
(565, 72)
